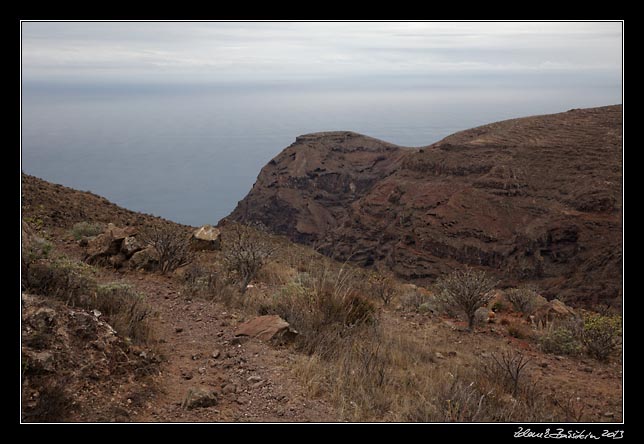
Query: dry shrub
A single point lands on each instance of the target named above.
(382, 286)
(412, 300)
(323, 306)
(126, 310)
(70, 281)
(246, 250)
(523, 299)
(73, 282)
(519, 330)
(86, 229)
(172, 244)
(275, 273)
(507, 369)
(466, 290)
(371, 376)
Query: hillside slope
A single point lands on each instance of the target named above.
(532, 199)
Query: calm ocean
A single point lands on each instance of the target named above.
(189, 154)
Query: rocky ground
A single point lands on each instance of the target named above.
(197, 370)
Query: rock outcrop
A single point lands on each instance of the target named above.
(119, 247)
(206, 237)
(534, 199)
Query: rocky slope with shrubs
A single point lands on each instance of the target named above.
(238, 325)
(532, 199)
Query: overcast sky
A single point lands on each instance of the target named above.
(175, 52)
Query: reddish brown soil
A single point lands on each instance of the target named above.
(533, 199)
(266, 387)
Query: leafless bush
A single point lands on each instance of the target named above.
(171, 243)
(466, 291)
(572, 408)
(246, 250)
(506, 368)
(382, 286)
(523, 299)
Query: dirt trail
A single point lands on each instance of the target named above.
(255, 380)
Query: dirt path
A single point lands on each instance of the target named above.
(254, 380)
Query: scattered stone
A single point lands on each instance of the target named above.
(202, 370)
(587, 369)
(200, 397)
(257, 384)
(216, 354)
(178, 329)
(254, 378)
(451, 354)
(206, 237)
(439, 355)
(186, 375)
(609, 414)
(266, 328)
(145, 259)
(543, 364)
(229, 388)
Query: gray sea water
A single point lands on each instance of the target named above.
(190, 153)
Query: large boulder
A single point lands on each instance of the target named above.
(120, 233)
(266, 328)
(130, 246)
(206, 237)
(109, 243)
(102, 246)
(554, 310)
(145, 259)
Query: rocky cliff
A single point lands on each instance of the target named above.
(534, 199)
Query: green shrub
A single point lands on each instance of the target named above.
(86, 229)
(73, 283)
(561, 341)
(600, 335)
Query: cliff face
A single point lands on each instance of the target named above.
(532, 199)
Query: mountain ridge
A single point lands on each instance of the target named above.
(534, 199)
